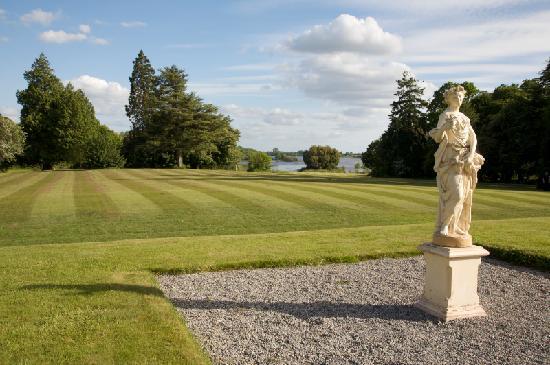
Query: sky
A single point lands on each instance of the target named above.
(290, 73)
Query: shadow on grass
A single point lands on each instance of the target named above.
(315, 310)
(88, 289)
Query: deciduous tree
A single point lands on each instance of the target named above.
(12, 141)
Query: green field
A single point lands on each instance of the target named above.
(79, 249)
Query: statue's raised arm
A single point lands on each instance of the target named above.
(456, 164)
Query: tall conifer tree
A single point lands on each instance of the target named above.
(401, 149)
(140, 109)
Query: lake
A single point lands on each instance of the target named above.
(347, 162)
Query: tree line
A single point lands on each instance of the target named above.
(170, 126)
(512, 124)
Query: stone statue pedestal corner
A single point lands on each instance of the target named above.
(450, 287)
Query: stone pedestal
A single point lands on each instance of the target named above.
(450, 288)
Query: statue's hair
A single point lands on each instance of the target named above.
(454, 90)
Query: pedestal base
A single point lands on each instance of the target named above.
(450, 288)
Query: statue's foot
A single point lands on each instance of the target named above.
(444, 231)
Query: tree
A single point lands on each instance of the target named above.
(210, 141)
(173, 115)
(39, 101)
(543, 98)
(12, 141)
(171, 126)
(57, 119)
(373, 157)
(258, 161)
(185, 130)
(321, 157)
(402, 147)
(140, 109)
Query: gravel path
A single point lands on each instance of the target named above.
(360, 314)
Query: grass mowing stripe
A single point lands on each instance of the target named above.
(257, 193)
(127, 200)
(267, 189)
(359, 201)
(161, 198)
(233, 199)
(57, 200)
(504, 204)
(396, 199)
(311, 193)
(90, 199)
(20, 182)
(16, 207)
(520, 197)
(17, 176)
(164, 179)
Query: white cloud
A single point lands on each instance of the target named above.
(346, 33)
(39, 16)
(495, 40)
(4, 39)
(229, 88)
(108, 99)
(2, 14)
(11, 112)
(251, 67)
(99, 41)
(347, 78)
(133, 24)
(85, 28)
(60, 36)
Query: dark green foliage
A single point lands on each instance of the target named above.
(512, 124)
(141, 101)
(58, 120)
(514, 130)
(103, 149)
(39, 102)
(171, 127)
(141, 104)
(321, 157)
(12, 141)
(258, 161)
(401, 149)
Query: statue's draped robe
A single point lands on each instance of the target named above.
(456, 179)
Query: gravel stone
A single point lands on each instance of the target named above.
(360, 314)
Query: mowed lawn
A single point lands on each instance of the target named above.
(79, 249)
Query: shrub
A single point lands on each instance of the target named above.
(321, 157)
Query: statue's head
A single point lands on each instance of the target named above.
(454, 95)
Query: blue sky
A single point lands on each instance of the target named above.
(291, 73)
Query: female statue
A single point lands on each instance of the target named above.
(456, 164)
